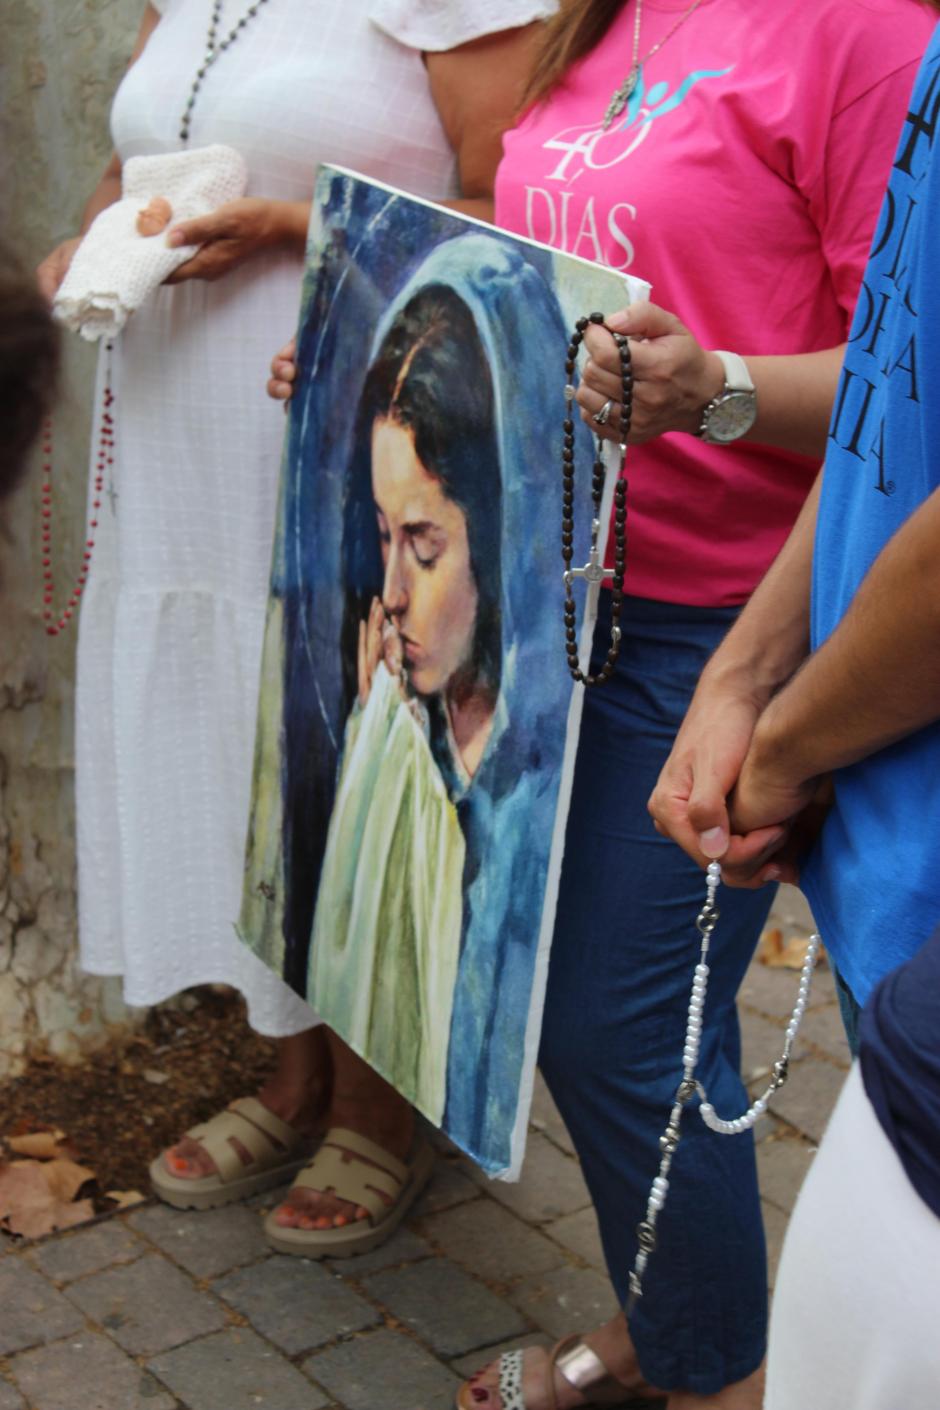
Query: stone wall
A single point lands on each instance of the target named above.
(61, 61)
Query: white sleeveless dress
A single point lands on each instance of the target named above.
(172, 619)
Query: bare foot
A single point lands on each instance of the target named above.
(365, 1103)
(296, 1092)
(612, 1344)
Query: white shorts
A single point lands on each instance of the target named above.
(856, 1314)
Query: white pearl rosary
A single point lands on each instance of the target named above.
(689, 1086)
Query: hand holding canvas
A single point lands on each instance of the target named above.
(280, 386)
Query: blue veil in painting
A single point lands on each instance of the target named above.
(507, 812)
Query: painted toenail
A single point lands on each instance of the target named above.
(479, 1394)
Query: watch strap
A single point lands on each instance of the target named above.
(737, 377)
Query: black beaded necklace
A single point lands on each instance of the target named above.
(594, 571)
(213, 52)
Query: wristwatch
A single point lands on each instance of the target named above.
(732, 413)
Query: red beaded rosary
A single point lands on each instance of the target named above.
(105, 458)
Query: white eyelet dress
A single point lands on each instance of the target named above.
(172, 619)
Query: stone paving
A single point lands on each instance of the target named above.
(159, 1310)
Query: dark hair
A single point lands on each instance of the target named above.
(431, 376)
(29, 366)
(576, 29)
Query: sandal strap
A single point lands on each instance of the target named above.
(510, 1381)
(267, 1139)
(266, 1120)
(361, 1145)
(339, 1169)
(583, 1369)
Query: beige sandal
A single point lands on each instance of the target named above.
(580, 1366)
(336, 1170)
(276, 1152)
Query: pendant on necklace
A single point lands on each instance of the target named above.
(622, 96)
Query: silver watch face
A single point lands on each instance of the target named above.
(729, 417)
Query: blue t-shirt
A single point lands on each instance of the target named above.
(873, 879)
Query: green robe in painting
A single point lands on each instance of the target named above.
(386, 932)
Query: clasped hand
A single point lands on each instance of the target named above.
(724, 793)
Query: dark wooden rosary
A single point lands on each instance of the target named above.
(594, 571)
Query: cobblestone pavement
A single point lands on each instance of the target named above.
(158, 1310)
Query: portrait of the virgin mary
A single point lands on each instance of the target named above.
(421, 650)
(416, 662)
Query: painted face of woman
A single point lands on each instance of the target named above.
(429, 591)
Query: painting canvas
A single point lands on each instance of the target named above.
(417, 720)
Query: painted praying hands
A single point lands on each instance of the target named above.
(378, 641)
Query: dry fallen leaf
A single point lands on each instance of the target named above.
(770, 944)
(78, 1212)
(40, 1145)
(123, 1199)
(65, 1178)
(776, 953)
(792, 956)
(117, 1123)
(28, 1206)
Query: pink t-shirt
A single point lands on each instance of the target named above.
(744, 181)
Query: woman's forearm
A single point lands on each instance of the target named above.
(481, 207)
(770, 640)
(290, 220)
(877, 677)
(795, 396)
(476, 89)
(105, 193)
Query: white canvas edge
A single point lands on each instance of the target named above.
(636, 289)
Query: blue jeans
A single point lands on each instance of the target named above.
(618, 991)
